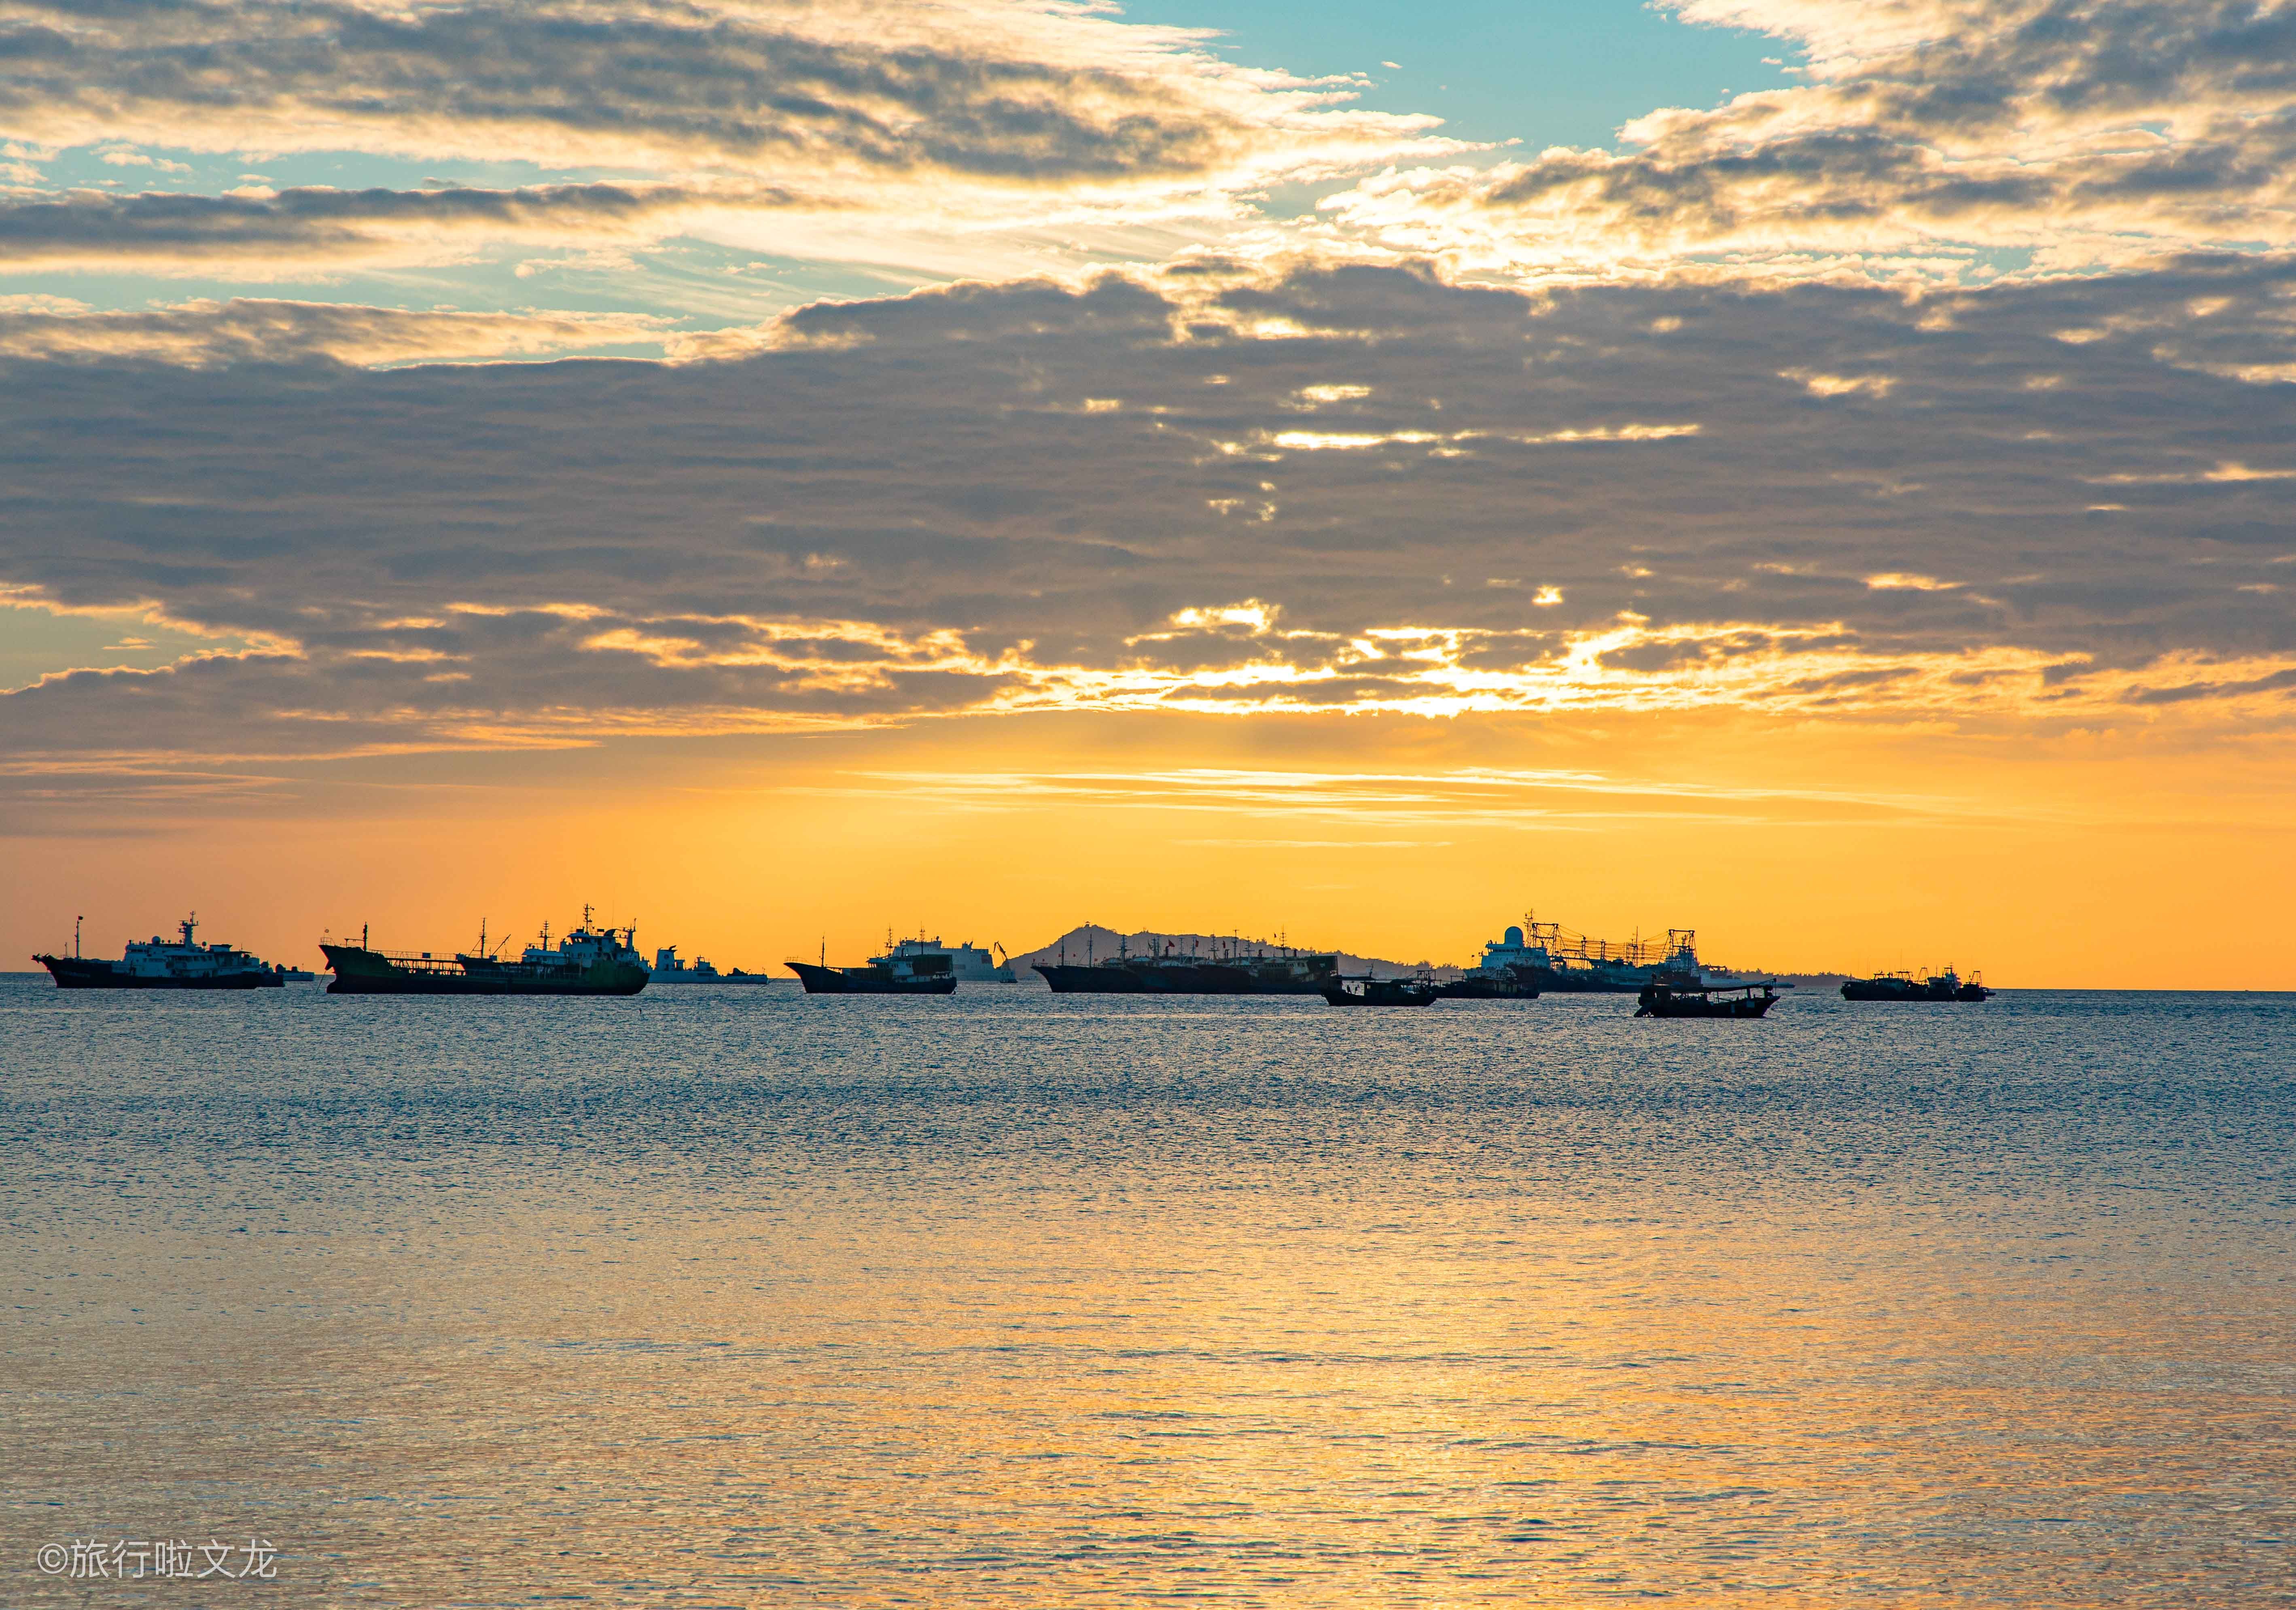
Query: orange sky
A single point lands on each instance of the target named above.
(2089, 860)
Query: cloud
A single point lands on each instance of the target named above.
(998, 91)
(300, 230)
(203, 334)
(884, 510)
(2084, 132)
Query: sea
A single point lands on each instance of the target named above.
(727, 1296)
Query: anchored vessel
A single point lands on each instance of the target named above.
(1353, 991)
(1509, 970)
(929, 974)
(588, 961)
(1687, 997)
(165, 964)
(1573, 962)
(668, 970)
(1169, 971)
(967, 962)
(1947, 985)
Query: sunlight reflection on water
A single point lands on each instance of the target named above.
(726, 1295)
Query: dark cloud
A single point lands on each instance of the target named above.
(1335, 488)
(299, 228)
(993, 91)
(204, 334)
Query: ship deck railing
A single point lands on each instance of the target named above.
(431, 963)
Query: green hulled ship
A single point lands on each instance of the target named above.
(588, 961)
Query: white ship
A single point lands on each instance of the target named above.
(668, 969)
(968, 962)
(160, 964)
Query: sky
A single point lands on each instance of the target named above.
(1815, 472)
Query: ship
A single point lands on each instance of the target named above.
(587, 961)
(1676, 996)
(159, 964)
(968, 963)
(1509, 970)
(668, 969)
(1902, 986)
(924, 972)
(1237, 970)
(1573, 962)
(1354, 991)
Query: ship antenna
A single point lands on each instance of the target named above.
(76, 923)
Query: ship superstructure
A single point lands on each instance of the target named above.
(587, 961)
(159, 964)
(1557, 958)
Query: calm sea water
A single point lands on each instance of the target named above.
(725, 1295)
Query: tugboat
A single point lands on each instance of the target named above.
(1687, 997)
(896, 973)
(1948, 985)
(588, 961)
(1383, 991)
(160, 964)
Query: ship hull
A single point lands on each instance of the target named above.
(73, 973)
(1659, 1004)
(1066, 980)
(1902, 990)
(1585, 980)
(1383, 992)
(1291, 976)
(359, 972)
(1473, 988)
(1706, 1009)
(867, 981)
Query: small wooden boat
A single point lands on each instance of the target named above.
(1382, 992)
(1706, 1000)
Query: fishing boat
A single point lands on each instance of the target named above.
(1686, 998)
(1349, 990)
(1902, 986)
(898, 972)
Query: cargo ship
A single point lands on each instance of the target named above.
(588, 961)
(159, 964)
(1170, 971)
(1947, 985)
